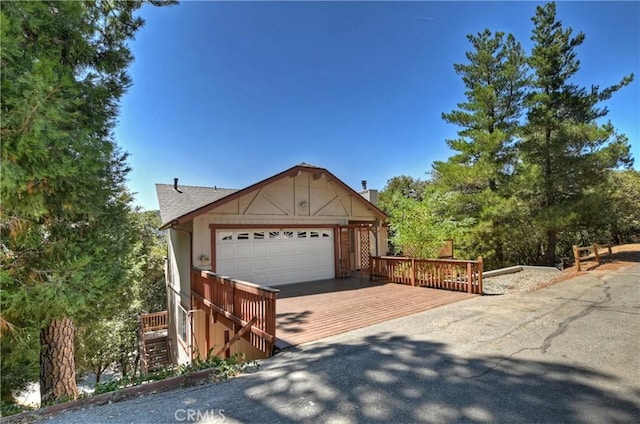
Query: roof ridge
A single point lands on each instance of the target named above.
(193, 186)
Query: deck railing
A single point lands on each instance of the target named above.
(148, 323)
(239, 301)
(448, 274)
(153, 322)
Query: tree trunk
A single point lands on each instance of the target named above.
(57, 362)
(550, 255)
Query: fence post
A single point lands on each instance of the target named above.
(469, 278)
(576, 256)
(609, 248)
(595, 252)
(480, 271)
(413, 272)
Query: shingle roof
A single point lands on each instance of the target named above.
(174, 204)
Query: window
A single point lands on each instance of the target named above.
(258, 235)
(225, 235)
(325, 234)
(182, 324)
(302, 234)
(287, 234)
(314, 234)
(242, 236)
(274, 234)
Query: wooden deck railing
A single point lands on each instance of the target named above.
(148, 323)
(590, 253)
(240, 302)
(153, 322)
(448, 274)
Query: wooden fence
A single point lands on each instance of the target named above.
(246, 305)
(448, 274)
(591, 253)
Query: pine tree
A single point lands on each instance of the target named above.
(479, 174)
(64, 203)
(567, 152)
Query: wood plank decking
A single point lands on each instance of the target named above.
(312, 311)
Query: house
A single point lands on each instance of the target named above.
(302, 224)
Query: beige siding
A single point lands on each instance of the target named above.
(179, 279)
(304, 199)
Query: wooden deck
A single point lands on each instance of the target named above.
(315, 310)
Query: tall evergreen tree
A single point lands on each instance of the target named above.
(567, 152)
(64, 204)
(479, 174)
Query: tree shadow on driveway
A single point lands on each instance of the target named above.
(394, 379)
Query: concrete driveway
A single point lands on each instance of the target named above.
(566, 353)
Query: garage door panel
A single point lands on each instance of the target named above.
(259, 249)
(244, 251)
(276, 256)
(274, 248)
(242, 267)
(259, 265)
(225, 252)
(291, 263)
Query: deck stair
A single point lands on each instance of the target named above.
(153, 342)
(157, 352)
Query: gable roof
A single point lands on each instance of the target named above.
(176, 208)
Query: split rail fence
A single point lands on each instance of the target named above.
(595, 252)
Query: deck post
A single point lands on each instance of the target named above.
(469, 278)
(227, 352)
(413, 272)
(370, 268)
(480, 271)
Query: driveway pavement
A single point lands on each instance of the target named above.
(565, 353)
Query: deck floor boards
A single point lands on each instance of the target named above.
(309, 311)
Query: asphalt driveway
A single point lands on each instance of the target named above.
(565, 353)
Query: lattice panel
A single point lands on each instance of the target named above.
(365, 249)
(345, 249)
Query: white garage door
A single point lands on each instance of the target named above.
(275, 256)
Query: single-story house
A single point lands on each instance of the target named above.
(302, 224)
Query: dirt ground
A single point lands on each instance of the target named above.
(623, 255)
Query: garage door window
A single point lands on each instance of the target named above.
(225, 236)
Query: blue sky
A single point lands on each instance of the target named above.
(230, 93)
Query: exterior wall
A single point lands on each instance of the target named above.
(179, 288)
(305, 199)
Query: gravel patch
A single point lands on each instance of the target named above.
(519, 282)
